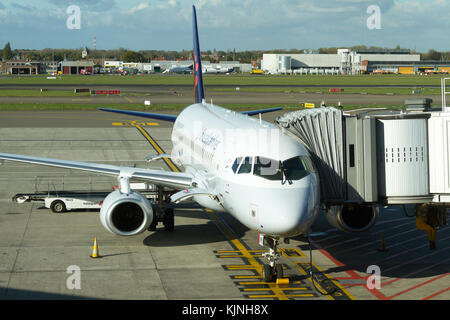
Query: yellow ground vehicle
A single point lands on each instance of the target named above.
(256, 71)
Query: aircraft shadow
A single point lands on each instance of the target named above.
(20, 294)
(407, 253)
(185, 235)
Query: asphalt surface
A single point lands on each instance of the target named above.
(208, 256)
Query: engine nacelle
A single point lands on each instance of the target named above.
(352, 217)
(126, 214)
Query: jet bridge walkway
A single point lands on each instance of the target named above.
(374, 157)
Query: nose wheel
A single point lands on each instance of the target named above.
(272, 270)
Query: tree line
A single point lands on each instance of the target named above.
(125, 55)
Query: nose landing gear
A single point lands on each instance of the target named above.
(272, 271)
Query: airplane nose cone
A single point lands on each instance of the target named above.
(291, 211)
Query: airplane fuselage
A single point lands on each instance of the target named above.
(262, 177)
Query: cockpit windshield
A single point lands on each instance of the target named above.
(267, 168)
(294, 168)
(297, 168)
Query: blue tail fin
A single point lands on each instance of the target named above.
(199, 91)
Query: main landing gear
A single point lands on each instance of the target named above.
(272, 271)
(162, 212)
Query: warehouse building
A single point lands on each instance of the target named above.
(405, 67)
(344, 61)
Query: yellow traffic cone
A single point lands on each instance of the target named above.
(95, 249)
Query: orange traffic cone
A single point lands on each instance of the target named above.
(95, 250)
(383, 244)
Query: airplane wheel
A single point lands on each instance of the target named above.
(58, 206)
(169, 220)
(152, 226)
(279, 269)
(267, 273)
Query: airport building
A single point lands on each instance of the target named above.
(20, 67)
(158, 66)
(76, 67)
(345, 61)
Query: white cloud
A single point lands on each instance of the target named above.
(139, 7)
(226, 24)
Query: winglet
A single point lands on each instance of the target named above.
(199, 92)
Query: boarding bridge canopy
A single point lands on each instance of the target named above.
(321, 131)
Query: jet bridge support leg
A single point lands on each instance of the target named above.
(272, 270)
(429, 218)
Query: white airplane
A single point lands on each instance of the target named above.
(269, 184)
(217, 70)
(179, 69)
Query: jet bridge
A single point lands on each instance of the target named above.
(373, 157)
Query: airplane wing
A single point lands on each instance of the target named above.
(176, 180)
(172, 118)
(158, 116)
(255, 112)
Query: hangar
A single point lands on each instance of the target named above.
(20, 67)
(76, 67)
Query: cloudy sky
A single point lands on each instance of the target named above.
(226, 24)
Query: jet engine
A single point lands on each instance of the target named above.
(126, 214)
(352, 217)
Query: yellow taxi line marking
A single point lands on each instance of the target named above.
(259, 296)
(241, 267)
(129, 100)
(237, 251)
(253, 263)
(246, 283)
(157, 148)
(265, 289)
(256, 289)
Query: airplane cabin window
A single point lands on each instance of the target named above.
(246, 166)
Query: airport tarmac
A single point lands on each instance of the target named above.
(135, 94)
(209, 255)
(221, 98)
